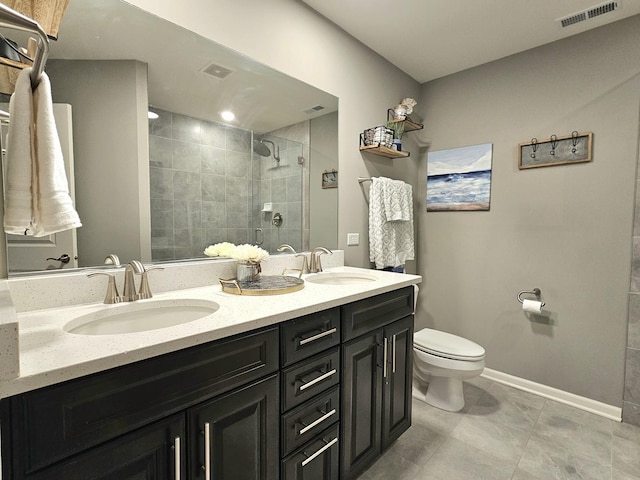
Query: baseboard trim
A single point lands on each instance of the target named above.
(583, 403)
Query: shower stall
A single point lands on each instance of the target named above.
(210, 183)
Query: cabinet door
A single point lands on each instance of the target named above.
(396, 411)
(236, 436)
(155, 452)
(361, 403)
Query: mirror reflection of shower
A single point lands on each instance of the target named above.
(261, 149)
(281, 187)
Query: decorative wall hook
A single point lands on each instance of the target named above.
(574, 141)
(554, 144)
(534, 147)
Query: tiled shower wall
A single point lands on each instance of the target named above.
(201, 186)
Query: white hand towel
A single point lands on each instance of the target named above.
(18, 195)
(53, 209)
(390, 242)
(37, 200)
(398, 199)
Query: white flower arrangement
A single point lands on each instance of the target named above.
(243, 253)
(224, 249)
(250, 253)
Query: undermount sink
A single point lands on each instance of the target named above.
(140, 316)
(340, 278)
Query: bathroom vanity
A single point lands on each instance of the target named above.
(313, 384)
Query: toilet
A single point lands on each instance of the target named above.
(441, 361)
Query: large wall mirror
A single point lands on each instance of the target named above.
(163, 188)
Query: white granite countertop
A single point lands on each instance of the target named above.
(49, 355)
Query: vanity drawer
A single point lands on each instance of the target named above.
(369, 314)
(69, 417)
(317, 460)
(303, 423)
(305, 336)
(310, 377)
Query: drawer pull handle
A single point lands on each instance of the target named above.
(393, 354)
(384, 358)
(176, 457)
(207, 451)
(320, 451)
(304, 386)
(320, 335)
(317, 422)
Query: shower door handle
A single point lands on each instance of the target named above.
(260, 233)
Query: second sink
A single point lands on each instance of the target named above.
(141, 316)
(340, 278)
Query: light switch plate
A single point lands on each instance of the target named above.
(353, 239)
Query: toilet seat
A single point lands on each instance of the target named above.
(446, 345)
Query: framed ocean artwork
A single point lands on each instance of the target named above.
(459, 179)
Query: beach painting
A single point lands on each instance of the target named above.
(459, 179)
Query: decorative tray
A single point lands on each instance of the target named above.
(263, 285)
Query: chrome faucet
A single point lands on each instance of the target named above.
(129, 294)
(315, 265)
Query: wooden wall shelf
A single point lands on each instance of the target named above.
(383, 151)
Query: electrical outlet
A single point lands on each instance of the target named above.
(353, 239)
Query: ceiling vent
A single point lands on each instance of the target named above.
(314, 109)
(590, 13)
(217, 71)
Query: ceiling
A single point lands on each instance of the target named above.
(262, 99)
(430, 39)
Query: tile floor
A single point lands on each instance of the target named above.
(507, 434)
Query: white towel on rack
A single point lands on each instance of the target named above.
(18, 195)
(398, 201)
(390, 241)
(34, 154)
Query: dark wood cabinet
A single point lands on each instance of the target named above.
(376, 377)
(235, 436)
(317, 397)
(154, 452)
(112, 425)
(361, 403)
(396, 409)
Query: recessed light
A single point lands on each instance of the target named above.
(152, 115)
(227, 115)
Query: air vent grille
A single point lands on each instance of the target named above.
(602, 9)
(314, 109)
(217, 71)
(573, 19)
(589, 13)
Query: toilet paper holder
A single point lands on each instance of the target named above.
(535, 291)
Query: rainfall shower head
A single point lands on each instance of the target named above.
(261, 149)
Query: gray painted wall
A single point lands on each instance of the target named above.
(564, 229)
(111, 150)
(323, 202)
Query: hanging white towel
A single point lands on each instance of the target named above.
(34, 152)
(390, 241)
(17, 200)
(398, 201)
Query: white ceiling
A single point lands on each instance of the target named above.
(429, 39)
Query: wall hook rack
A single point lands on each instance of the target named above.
(556, 150)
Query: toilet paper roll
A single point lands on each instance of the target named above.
(532, 306)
